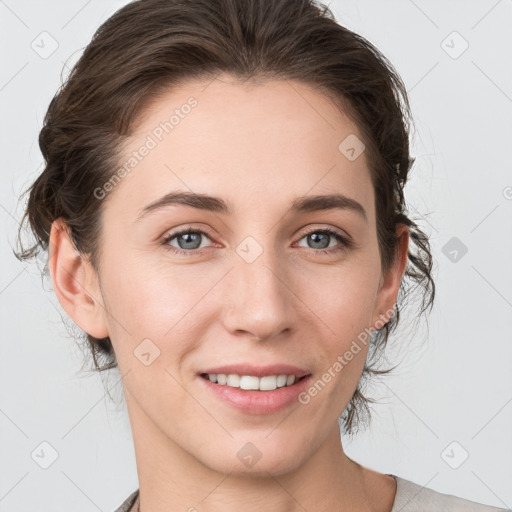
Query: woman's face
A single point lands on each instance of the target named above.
(255, 289)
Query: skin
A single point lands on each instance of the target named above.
(258, 147)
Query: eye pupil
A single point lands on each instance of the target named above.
(188, 237)
(315, 236)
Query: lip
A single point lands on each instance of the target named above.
(258, 371)
(257, 402)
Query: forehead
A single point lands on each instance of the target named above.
(248, 142)
(259, 109)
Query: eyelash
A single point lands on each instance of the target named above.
(345, 242)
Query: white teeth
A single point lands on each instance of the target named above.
(233, 381)
(281, 381)
(268, 383)
(250, 382)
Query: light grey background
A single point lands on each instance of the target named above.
(452, 394)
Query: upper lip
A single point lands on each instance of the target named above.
(258, 371)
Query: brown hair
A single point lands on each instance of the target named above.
(148, 46)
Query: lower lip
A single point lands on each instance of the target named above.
(258, 402)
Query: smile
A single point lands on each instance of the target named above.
(251, 382)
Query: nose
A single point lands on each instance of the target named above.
(258, 298)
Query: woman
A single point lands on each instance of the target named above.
(223, 209)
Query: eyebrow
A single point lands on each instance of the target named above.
(303, 204)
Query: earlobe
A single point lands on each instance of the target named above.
(75, 283)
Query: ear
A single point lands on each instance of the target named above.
(75, 282)
(390, 282)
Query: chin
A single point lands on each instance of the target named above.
(255, 460)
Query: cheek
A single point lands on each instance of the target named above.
(142, 293)
(156, 300)
(342, 296)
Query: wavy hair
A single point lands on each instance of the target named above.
(148, 46)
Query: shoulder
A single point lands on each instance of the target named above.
(411, 497)
(128, 502)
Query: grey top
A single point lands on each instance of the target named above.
(410, 497)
